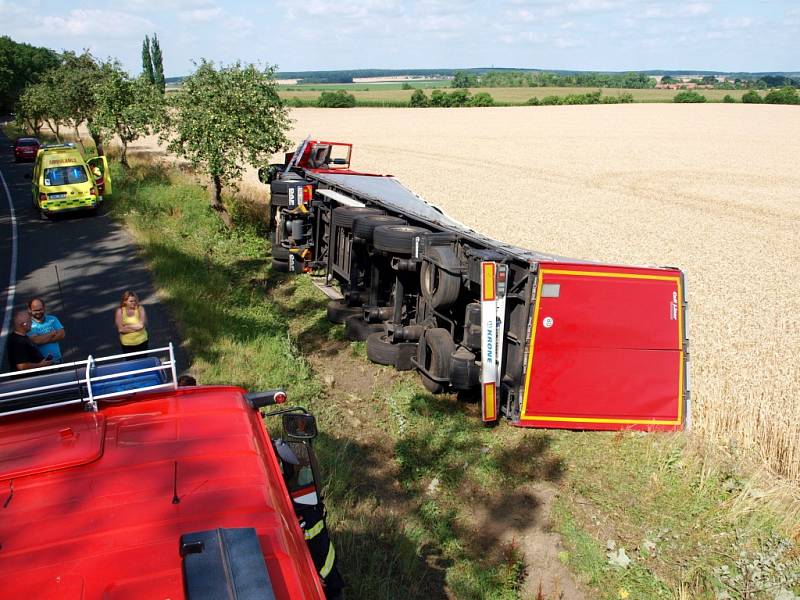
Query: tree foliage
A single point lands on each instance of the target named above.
(226, 117)
(158, 64)
(752, 97)
(337, 99)
(464, 80)
(786, 95)
(688, 96)
(147, 61)
(128, 108)
(419, 99)
(72, 85)
(21, 65)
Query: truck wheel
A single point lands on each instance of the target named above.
(433, 355)
(338, 312)
(357, 329)
(382, 351)
(345, 215)
(280, 253)
(396, 239)
(440, 286)
(287, 266)
(364, 226)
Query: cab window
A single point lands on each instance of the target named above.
(65, 175)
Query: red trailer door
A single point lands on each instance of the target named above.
(606, 349)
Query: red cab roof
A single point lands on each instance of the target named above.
(87, 498)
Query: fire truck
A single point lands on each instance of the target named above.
(117, 483)
(545, 340)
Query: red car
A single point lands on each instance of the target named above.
(25, 149)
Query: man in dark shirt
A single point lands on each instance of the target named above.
(22, 352)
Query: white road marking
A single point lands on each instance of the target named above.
(12, 277)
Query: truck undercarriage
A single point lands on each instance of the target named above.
(546, 341)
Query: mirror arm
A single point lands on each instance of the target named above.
(289, 409)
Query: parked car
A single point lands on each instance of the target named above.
(63, 181)
(25, 149)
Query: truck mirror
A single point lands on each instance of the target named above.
(300, 427)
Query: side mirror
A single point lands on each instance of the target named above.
(300, 426)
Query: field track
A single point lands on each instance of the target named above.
(713, 189)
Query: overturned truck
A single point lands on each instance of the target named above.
(546, 341)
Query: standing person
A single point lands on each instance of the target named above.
(131, 321)
(46, 330)
(22, 352)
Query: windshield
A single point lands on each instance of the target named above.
(65, 175)
(27, 143)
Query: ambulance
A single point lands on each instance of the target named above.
(63, 181)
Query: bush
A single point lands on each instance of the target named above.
(419, 99)
(458, 97)
(689, 96)
(533, 101)
(752, 97)
(785, 95)
(439, 98)
(728, 99)
(406, 86)
(481, 99)
(337, 99)
(625, 98)
(551, 101)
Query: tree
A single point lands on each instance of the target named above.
(786, 95)
(20, 66)
(32, 108)
(688, 96)
(225, 118)
(752, 97)
(481, 99)
(158, 65)
(128, 108)
(147, 61)
(419, 99)
(337, 99)
(463, 80)
(73, 82)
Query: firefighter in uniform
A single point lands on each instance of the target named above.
(312, 522)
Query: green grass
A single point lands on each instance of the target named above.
(420, 494)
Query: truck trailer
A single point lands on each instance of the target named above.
(545, 340)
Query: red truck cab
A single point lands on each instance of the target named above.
(165, 493)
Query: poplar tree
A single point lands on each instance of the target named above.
(147, 61)
(158, 64)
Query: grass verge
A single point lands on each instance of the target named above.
(424, 501)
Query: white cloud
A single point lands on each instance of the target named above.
(734, 23)
(84, 23)
(209, 13)
(562, 42)
(694, 9)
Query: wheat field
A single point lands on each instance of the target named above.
(713, 189)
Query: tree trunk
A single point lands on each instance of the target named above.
(123, 158)
(80, 141)
(216, 202)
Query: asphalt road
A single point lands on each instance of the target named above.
(94, 258)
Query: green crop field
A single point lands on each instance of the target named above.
(391, 93)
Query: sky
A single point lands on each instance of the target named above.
(297, 35)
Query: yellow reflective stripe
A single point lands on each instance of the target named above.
(326, 568)
(315, 530)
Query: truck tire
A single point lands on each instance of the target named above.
(439, 284)
(396, 239)
(280, 253)
(433, 355)
(382, 351)
(338, 312)
(364, 226)
(345, 215)
(287, 266)
(357, 329)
